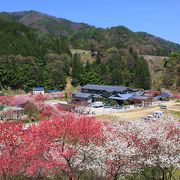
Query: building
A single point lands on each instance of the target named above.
(137, 98)
(120, 94)
(105, 91)
(121, 98)
(152, 93)
(80, 97)
(38, 90)
(141, 100)
(163, 96)
(92, 92)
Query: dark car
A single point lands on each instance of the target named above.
(107, 106)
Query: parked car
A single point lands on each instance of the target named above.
(107, 106)
(97, 104)
(118, 107)
(149, 118)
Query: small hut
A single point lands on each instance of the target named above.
(38, 90)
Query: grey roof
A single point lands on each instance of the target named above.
(105, 88)
(122, 97)
(163, 96)
(82, 95)
(97, 96)
(12, 108)
(139, 93)
(143, 98)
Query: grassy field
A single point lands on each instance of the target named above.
(84, 54)
(106, 117)
(176, 114)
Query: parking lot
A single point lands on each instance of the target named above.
(133, 113)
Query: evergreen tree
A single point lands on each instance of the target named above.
(77, 69)
(142, 75)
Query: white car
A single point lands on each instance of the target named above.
(149, 118)
(97, 104)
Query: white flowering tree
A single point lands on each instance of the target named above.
(131, 147)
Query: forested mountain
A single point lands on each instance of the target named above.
(115, 67)
(122, 38)
(83, 36)
(29, 58)
(172, 72)
(46, 23)
(33, 56)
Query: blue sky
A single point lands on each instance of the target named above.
(158, 17)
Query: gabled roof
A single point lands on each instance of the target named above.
(121, 97)
(163, 95)
(82, 95)
(141, 98)
(38, 88)
(106, 88)
(152, 92)
(97, 96)
(138, 93)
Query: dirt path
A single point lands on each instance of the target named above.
(68, 84)
(69, 88)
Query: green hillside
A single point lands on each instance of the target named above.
(83, 36)
(29, 58)
(122, 38)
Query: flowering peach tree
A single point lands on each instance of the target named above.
(66, 145)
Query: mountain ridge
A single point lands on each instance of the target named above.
(81, 23)
(44, 22)
(116, 56)
(84, 36)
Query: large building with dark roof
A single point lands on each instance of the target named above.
(105, 91)
(93, 92)
(120, 94)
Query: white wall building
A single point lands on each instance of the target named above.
(38, 90)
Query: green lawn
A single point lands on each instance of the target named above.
(176, 114)
(85, 55)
